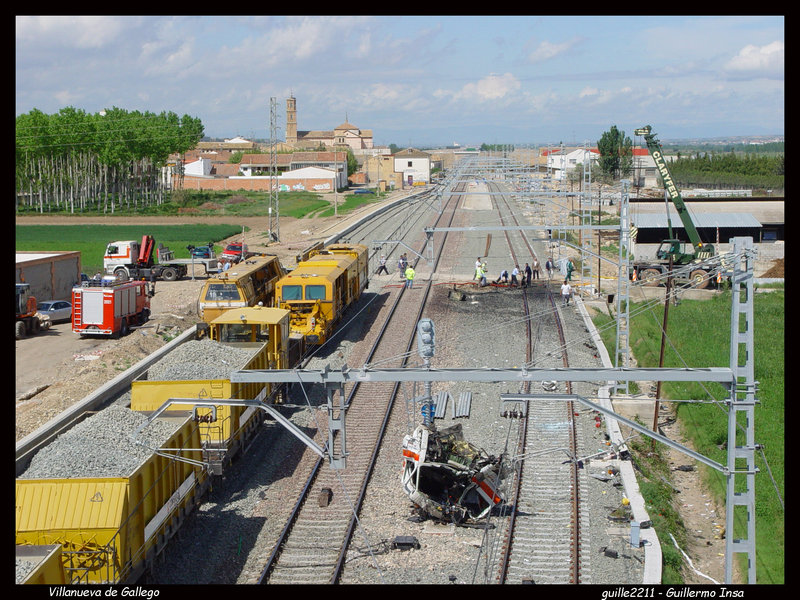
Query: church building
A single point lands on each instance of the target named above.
(345, 134)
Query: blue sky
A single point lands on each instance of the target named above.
(418, 80)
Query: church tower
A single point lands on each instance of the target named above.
(291, 120)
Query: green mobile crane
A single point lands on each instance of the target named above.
(683, 254)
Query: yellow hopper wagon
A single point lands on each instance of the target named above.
(110, 492)
(242, 338)
(40, 565)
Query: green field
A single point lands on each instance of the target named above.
(225, 204)
(699, 336)
(91, 240)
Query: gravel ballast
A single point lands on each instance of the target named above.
(200, 359)
(102, 445)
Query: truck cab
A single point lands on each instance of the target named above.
(121, 253)
(681, 252)
(235, 252)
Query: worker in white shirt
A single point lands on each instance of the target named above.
(566, 292)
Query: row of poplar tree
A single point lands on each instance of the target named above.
(77, 161)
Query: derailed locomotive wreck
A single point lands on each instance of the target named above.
(448, 478)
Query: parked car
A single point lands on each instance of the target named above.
(363, 191)
(57, 310)
(234, 252)
(206, 251)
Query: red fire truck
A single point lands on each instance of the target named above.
(109, 307)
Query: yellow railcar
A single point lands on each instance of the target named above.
(110, 529)
(225, 429)
(322, 287)
(244, 284)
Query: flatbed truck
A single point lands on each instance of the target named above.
(129, 259)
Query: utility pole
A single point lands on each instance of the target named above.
(663, 341)
(273, 227)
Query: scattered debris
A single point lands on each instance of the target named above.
(31, 393)
(325, 496)
(684, 468)
(405, 542)
(449, 479)
(456, 295)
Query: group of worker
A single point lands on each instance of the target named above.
(406, 270)
(522, 277)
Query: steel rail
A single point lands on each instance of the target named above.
(575, 498)
(294, 516)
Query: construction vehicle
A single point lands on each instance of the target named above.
(107, 307)
(248, 283)
(29, 319)
(320, 289)
(688, 258)
(143, 260)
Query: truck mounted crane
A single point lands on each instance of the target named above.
(683, 254)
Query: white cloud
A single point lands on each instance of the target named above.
(284, 44)
(547, 50)
(169, 61)
(85, 32)
(491, 87)
(66, 97)
(766, 60)
(384, 92)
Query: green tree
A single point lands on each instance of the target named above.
(352, 162)
(74, 160)
(616, 153)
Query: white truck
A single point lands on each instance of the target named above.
(134, 260)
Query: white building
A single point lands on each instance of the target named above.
(560, 163)
(317, 173)
(314, 179)
(415, 166)
(200, 168)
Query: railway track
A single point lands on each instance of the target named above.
(311, 550)
(544, 536)
(108, 393)
(313, 542)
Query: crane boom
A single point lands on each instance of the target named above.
(654, 146)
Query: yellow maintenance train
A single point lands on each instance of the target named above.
(109, 529)
(321, 288)
(244, 284)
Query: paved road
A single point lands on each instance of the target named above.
(50, 354)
